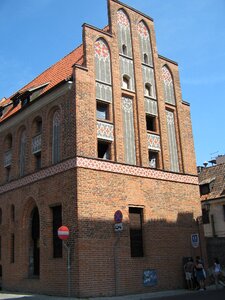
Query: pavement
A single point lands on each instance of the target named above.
(153, 295)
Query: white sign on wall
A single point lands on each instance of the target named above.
(195, 240)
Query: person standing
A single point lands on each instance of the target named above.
(216, 271)
(188, 270)
(199, 269)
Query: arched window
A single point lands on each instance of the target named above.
(145, 44)
(8, 155)
(22, 150)
(56, 124)
(124, 34)
(37, 142)
(146, 59)
(102, 62)
(124, 49)
(148, 89)
(168, 86)
(126, 82)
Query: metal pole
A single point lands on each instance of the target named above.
(116, 263)
(68, 268)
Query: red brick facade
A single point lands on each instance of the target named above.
(90, 189)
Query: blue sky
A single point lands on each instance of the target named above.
(35, 34)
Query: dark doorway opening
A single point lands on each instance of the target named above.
(34, 268)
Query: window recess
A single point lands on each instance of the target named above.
(102, 110)
(153, 157)
(104, 149)
(136, 236)
(151, 123)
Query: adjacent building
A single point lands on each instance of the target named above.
(103, 130)
(212, 190)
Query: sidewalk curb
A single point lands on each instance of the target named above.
(153, 295)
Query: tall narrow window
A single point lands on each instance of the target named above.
(174, 163)
(13, 213)
(124, 34)
(56, 223)
(102, 62)
(22, 153)
(8, 156)
(37, 142)
(125, 49)
(145, 44)
(136, 238)
(12, 248)
(168, 86)
(146, 59)
(38, 161)
(126, 82)
(56, 138)
(148, 89)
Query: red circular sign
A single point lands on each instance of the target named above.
(63, 232)
(118, 216)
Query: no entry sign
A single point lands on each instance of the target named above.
(63, 232)
(118, 216)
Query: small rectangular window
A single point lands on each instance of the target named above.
(153, 157)
(204, 189)
(136, 224)
(103, 150)
(205, 216)
(102, 111)
(56, 223)
(151, 123)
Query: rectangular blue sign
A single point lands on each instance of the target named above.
(150, 277)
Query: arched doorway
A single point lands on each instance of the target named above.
(34, 253)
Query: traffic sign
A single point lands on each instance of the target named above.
(118, 227)
(195, 240)
(63, 233)
(118, 216)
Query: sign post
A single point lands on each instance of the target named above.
(195, 240)
(118, 227)
(63, 234)
(118, 217)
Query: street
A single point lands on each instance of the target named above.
(200, 295)
(195, 295)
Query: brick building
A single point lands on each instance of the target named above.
(103, 129)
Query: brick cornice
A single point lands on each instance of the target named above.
(99, 165)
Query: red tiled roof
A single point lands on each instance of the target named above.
(53, 75)
(216, 175)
